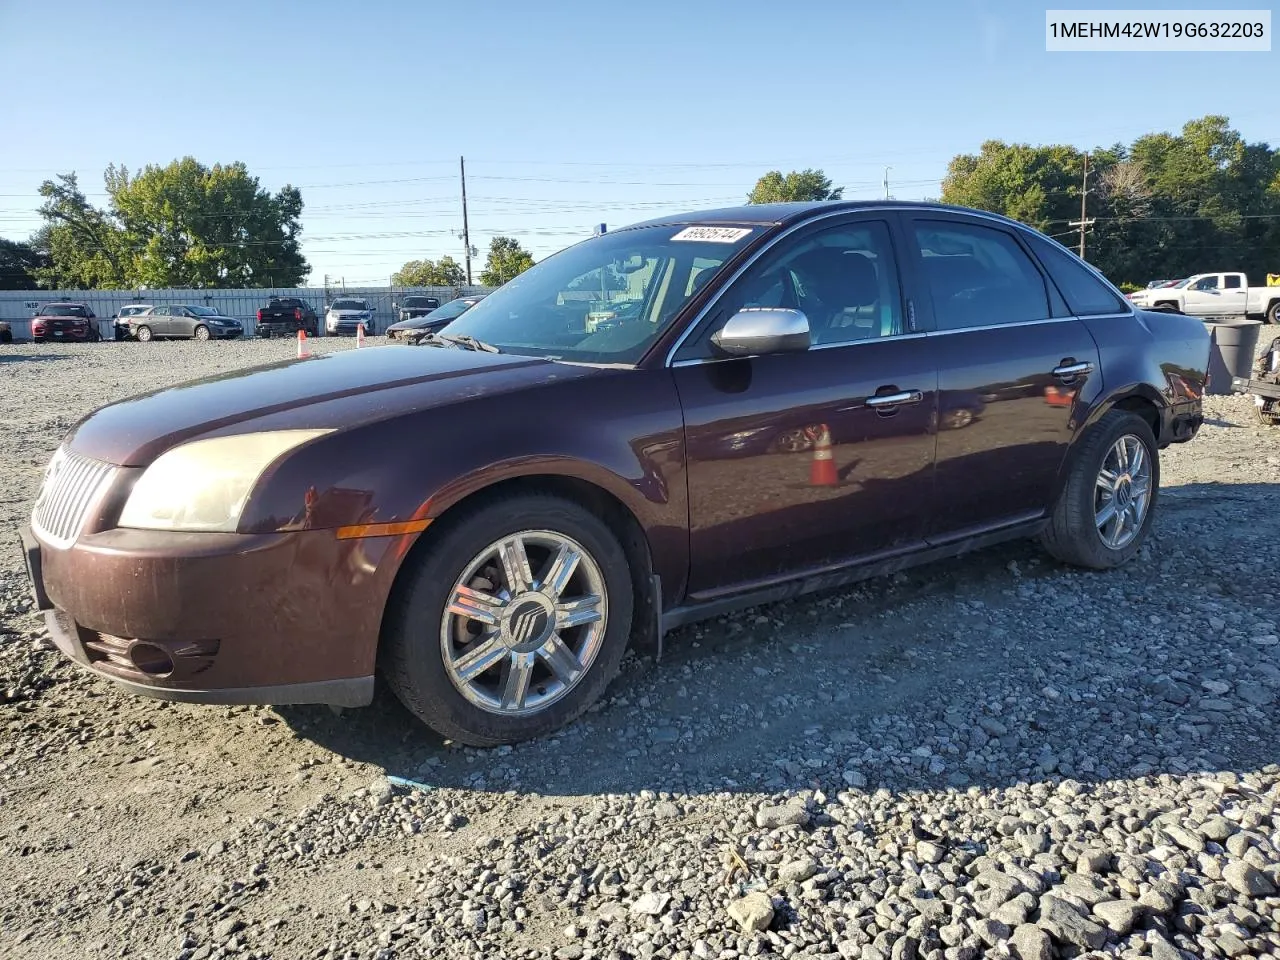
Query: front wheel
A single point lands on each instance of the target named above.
(1104, 512)
(512, 623)
(202, 332)
(144, 334)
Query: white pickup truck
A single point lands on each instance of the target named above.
(1214, 295)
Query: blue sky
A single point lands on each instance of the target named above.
(569, 113)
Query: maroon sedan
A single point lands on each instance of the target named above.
(492, 516)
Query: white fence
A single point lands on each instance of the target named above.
(18, 306)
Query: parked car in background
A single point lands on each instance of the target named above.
(6, 332)
(493, 517)
(65, 322)
(1214, 295)
(121, 320)
(414, 306)
(183, 321)
(285, 316)
(434, 321)
(346, 315)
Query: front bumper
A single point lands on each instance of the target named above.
(218, 618)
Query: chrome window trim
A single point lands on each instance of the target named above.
(700, 361)
(671, 362)
(1001, 326)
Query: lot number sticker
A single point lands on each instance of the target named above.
(713, 234)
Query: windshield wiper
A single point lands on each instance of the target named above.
(466, 341)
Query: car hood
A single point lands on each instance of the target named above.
(337, 390)
(413, 323)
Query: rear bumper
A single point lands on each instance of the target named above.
(1259, 388)
(219, 618)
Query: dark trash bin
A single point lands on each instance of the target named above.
(1232, 345)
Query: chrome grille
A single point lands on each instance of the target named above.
(71, 484)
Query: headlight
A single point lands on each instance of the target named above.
(204, 485)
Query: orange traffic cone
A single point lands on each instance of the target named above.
(302, 344)
(822, 472)
(360, 336)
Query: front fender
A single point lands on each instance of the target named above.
(618, 429)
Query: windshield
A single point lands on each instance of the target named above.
(454, 308)
(348, 305)
(605, 300)
(417, 302)
(62, 310)
(1180, 283)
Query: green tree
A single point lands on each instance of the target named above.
(445, 272)
(19, 264)
(181, 225)
(1167, 205)
(773, 187)
(81, 244)
(507, 259)
(188, 225)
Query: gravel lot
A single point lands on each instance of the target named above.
(989, 757)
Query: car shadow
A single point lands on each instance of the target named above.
(31, 357)
(992, 669)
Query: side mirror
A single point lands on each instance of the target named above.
(754, 331)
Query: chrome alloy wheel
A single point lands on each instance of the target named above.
(524, 622)
(1122, 494)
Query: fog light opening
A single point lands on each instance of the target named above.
(151, 659)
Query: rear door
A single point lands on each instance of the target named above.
(1015, 366)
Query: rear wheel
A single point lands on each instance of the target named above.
(144, 334)
(6, 336)
(1104, 512)
(202, 332)
(1273, 313)
(512, 624)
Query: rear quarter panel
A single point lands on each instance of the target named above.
(1160, 357)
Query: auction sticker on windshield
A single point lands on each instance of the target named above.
(713, 234)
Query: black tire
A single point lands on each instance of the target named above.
(1072, 534)
(201, 332)
(411, 658)
(6, 336)
(1273, 313)
(1168, 306)
(143, 334)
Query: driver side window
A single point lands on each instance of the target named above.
(844, 279)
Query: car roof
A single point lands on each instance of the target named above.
(777, 214)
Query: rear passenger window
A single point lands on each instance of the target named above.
(978, 276)
(1085, 294)
(1231, 281)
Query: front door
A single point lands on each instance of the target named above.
(1017, 369)
(1205, 298)
(801, 460)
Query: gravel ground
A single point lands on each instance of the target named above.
(995, 756)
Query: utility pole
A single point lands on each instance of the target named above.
(1083, 222)
(886, 182)
(466, 234)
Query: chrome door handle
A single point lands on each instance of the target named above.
(882, 400)
(1073, 369)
